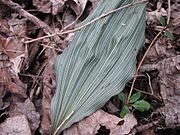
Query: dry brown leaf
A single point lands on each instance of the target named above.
(11, 83)
(48, 85)
(17, 26)
(175, 11)
(15, 86)
(78, 6)
(57, 6)
(50, 6)
(4, 79)
(160, 50)
(68, 17)
(27, 108)
(17, 125)
(17, 54)
(4, 27)
(43, 5)
(91, 124)
(169, 81)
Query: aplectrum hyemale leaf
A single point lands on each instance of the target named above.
(100, 60)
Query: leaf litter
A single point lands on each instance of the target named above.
(20, 67)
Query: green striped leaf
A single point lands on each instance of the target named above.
(100, 60)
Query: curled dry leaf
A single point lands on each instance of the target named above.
(27, 108)
(91, 124)
(17, 125)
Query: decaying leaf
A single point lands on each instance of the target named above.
(56, 6)
(11, 83)
(160, 50)
(98, 63)
(17, 125)
(27, 108)
(78, 6)
(169, 74)
(91, 124)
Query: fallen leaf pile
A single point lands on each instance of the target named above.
(27, 79)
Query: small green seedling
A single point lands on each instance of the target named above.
(167, 33)
(134, 101)
(162, 21)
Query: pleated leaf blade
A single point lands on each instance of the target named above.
(100, 60)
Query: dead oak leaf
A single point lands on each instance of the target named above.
(27, 108)
(91, 124)
(17, 125)
(4, 79)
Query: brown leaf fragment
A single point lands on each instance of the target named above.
(15, 86)
(43, 5)
(4, 27)
(78, 6)
(17, 125)
(17, 26)
(160, 50)
(68, 17)
(4, 79)
(169, 81)
(91, 124)
(175, 10)
(27, 108)
(57, 6)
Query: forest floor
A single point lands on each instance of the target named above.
(27, 79)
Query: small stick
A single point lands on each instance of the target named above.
(149, 78)
(169, 12)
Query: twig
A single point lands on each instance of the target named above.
(87, 24)
(169, 12)
(144, 92)
(149, 78)
(176, 18)
(28, 16)
(152, 43)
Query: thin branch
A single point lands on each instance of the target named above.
(87, 24)
(169, 12)
(139, 66)
(149, 78)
